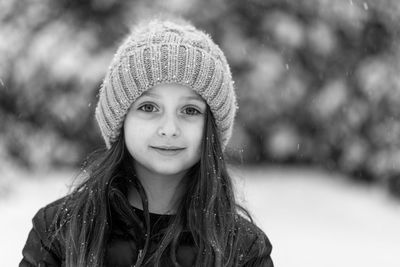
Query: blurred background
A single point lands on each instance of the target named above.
(316, 146)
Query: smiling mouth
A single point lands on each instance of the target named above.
(168, 148)
(168, 151)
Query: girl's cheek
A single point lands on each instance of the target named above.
(198, 119)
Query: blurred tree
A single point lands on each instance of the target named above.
(317, 80)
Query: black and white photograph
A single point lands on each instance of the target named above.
(251, 133)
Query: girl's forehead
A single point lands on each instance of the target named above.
(176, 90)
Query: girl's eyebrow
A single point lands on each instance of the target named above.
(194, 97)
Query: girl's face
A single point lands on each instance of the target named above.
(164, 129)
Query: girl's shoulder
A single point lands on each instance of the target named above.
(50, 217)
(43, 245)
(48, 213)
(253, 242)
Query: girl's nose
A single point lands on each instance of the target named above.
(169, 127)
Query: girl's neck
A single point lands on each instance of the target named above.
(162, 191)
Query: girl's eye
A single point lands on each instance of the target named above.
(191, 111)
(148, 108)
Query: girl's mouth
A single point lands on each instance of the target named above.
(168, 147)
(169, 151)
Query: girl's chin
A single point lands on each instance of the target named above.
(168, 171)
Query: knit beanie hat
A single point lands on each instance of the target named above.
(162, 51)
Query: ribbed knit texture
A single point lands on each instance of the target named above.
(166, 52)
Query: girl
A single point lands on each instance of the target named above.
(159, 194)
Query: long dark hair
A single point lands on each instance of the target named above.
(207, 209)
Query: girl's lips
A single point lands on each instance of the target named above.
(168, 151)
(168, 147)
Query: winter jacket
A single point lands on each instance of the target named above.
(122, 249)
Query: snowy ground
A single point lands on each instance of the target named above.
(313, 219)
